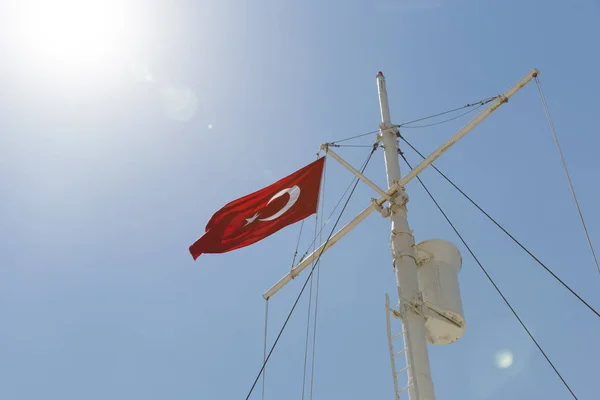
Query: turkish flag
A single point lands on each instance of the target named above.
(254, 217)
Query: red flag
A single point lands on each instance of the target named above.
(258, 215)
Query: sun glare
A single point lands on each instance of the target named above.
(71, 33)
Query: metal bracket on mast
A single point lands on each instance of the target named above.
(409, 234)
(399, 207)
(384, 211)
(425, 309)
(417, 305)
(383, 129)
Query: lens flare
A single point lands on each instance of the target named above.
(504, 359)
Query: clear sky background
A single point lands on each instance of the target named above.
(124, 125)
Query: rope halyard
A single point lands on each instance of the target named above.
(266, 359)
(314, 341)
(310, 296)
(265, 346)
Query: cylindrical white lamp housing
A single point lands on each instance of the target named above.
(439, 263)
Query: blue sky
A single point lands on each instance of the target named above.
(111, 165)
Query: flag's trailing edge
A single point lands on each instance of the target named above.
(258, 215)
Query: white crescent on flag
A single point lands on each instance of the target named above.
(294, 193)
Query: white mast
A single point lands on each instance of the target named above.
(405, 266)
(413, 307)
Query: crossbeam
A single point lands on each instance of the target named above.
(503, 98)
(358, 174)
(399, 185)
(333, 240)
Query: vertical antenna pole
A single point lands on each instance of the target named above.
(405, 266)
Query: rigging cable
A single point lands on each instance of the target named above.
(307, 279)
(326, 221)
(265, 345)
(310, 296)
(585, 303)
(349, 145)
(267, 310)
(564, 164)
(314, 342)
(444, 121)
(356, 137)
(479, 104)
(491, 280)
(297, 244)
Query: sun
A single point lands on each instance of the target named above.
(71, 33)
